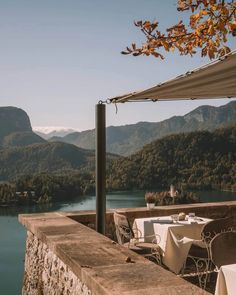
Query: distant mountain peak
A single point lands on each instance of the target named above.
(49, 129)
(53, 131)
(13, 120)
(200, 114)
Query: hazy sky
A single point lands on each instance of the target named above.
(58, 58)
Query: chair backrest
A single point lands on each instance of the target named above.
(223, 248)
(124, 232)
(215, 227)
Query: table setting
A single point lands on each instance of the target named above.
(177, 233)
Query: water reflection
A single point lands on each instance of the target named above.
(113, 200)
(15, 210)
(45, 207)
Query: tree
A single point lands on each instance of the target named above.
(210, 24)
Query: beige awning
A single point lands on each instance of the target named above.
(214, 80)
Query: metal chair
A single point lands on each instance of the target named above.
(130, 239)
(223, 249)
(200, 252)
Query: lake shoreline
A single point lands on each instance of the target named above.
(50, 202)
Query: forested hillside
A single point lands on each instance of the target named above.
(65, 184)
(198, 160)
(18, 139)
(46, 187)
(44, 157)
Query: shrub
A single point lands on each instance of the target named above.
(150, 197)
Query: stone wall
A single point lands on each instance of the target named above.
(209, 210)
(64, 256)
(46, 274)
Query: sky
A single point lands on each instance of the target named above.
(58, 58)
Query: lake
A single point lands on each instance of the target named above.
(13, 234)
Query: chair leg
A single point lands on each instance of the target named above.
(202, 266)
(154, 257)
(156, 253)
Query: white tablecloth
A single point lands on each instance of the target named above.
(175, 238)
(226, 280)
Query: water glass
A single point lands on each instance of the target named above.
(175, 217)
(191, 216)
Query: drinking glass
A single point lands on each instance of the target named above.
(191, 216)
(175, 217)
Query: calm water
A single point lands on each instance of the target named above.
(13, 234)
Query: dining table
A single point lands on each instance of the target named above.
(226, 280)
(174, 237)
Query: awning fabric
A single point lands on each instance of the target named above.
(215, 80)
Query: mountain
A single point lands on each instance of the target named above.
(128, 139)
(13, 120)
(84, 139)
(46, 157)
(48, 132)
(200, 159)
(15, 128)
(21, 139)
(42, 157)
(23, 152)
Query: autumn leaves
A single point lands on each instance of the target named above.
(210, 24)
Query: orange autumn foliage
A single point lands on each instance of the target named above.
(210, 24)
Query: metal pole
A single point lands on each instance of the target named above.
(100, 168)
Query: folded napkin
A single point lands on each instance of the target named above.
(198, 219)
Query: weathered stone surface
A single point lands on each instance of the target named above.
(137, 279)
(94, 254)
(46, 274)
(64, 256)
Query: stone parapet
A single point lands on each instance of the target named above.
(63, 256)
(45, 273)
(209, 210)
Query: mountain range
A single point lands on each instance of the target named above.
(24, 152)
(128, 139)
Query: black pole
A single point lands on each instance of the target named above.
(100, 168)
